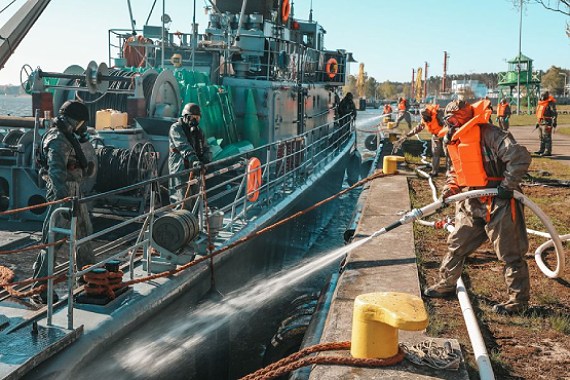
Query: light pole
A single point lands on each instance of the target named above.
(519, 63)
(565, 79)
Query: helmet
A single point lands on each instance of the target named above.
(75, 110)
(191, 109)
(545, 95)
(457, 113)
(426, 115)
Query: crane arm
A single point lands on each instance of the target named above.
(15, 29)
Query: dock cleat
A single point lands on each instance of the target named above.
(41, 299)
(440, 291)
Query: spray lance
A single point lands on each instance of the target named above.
(440, 204)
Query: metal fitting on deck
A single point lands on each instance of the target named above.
(376, 319)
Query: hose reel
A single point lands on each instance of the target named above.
(119, 168)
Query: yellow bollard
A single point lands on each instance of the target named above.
(390, 164)
(377, 318)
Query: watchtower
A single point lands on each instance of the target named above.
(521, 66)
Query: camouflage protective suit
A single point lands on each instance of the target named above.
(347, 107)
(545, 127)
(187, 145)
(63, 173)
(404, 113)
(477, 220)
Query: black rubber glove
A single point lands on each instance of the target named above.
(504, 193)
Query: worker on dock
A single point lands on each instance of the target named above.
(503, 163)
(188, 149)
(347, 107)
(432, 118)
(64, 167)
(546, 115)
(503, 114)
(387, 112)
(403, 113)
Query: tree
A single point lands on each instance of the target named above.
(350, 85)
(553, 81)
(370, 88)
(387, 90)
(561, 6)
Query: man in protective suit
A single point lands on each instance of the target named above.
(347, 107)
(188, 148)
(499, 219)
(432, 118)
(546, 115)
(63, 166)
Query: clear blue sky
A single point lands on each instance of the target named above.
(390, 37)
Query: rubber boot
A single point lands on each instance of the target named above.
(541, 149)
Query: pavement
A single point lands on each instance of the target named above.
(528, 136)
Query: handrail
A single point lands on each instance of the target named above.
(322, 149)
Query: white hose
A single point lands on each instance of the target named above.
(477, 342)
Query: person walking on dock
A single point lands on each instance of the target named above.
(347, 107)
(403, 113)
(188, 148)
(500, 162)
(503, 114)
(546, 115)
(64, 167)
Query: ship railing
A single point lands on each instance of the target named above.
(320, 146)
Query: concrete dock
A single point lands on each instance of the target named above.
(385, 264)
(388, 264)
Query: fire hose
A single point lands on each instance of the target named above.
(434, 207)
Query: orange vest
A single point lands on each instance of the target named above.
(465, 148)
(402, 105)
(542, 106)
(433, 126)
(501, 108)
(387, 109)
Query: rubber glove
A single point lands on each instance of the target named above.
(504, 193)
(449, 190)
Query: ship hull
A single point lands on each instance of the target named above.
(261, 255)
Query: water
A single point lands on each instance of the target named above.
(16, 105)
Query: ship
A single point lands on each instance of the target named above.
(268, 90)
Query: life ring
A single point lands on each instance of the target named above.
(285, 10)
(332, 68)
(253, 179)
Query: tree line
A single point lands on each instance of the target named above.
(551, 80)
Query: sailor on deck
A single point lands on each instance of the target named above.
(64, 168)
(188, 148)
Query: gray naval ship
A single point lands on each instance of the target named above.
(268, 90)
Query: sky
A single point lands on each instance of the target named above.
(390, 37)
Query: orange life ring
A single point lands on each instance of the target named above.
(285, 10)
(332, 68)
(253, 179)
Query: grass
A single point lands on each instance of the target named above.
(556, 169)
(525, 119)
(560, 323)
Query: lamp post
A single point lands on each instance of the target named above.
(519, 63)
(565, 79)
